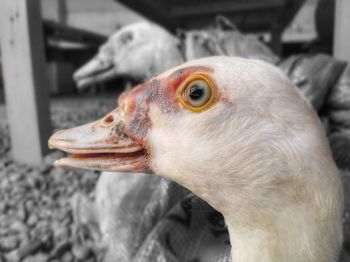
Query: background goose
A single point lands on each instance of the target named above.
(238, 134)
(138, 51)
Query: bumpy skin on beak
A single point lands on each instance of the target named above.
(103, 136)
(101, 145)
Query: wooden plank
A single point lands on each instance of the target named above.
(245, 22)
(54, 10)
(87, 6)
(57, 31)
(62, 12)
(285, 16)
(26, 94)
(76, 56)
(215, 7)
(341, 46)
(151, 11)
(189, 14)
(276, 39)
(49, 10)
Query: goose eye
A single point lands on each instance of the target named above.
(196, 93)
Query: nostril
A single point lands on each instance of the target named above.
(108, 120)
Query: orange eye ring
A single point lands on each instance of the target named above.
(182, 93)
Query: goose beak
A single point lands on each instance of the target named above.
(101, 145)
(97, 70)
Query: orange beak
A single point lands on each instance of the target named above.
(101, 145)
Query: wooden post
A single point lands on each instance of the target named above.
(54, 10)
(341, 45)
(276, 40)
(26, 94)
(62, 12)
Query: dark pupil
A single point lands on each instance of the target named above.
(196, 92)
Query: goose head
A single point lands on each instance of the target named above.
(139, 51)
(238, 134)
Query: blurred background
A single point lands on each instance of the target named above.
(59, 65)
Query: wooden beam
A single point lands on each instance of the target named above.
(215, 7)
(26, 94)
(285, 16)
(248, 22)
(289, 11)
(62, 12)
(60, 32)
(276, 39)
(341, 46)
(152, 11)
(75, 56)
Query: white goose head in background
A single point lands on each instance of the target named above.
(140, 51)
(238, 134)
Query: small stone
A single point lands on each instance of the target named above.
(5, 183)
(29, 205)
(32, 220)
(57, 173)
(81, 252)
(47, 240)
(14, 178)
(19, 226)
(9, 243)
(3, 207)
(67, 257)
(61, 233)
(62, 215)
(22, 212)
(45, 168)
(13, 256)
(68, 219)
(36, 258)
(35, 181)
(29, 248)
(60, 249)
(43, 227)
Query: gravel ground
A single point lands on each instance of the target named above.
(36, 218)
(36, 221)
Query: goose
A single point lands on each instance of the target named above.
(120, 55)
(238, 134)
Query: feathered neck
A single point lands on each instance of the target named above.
(299, 227)
(293, 235)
